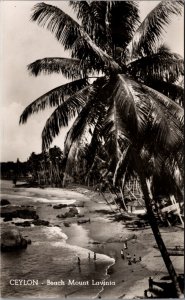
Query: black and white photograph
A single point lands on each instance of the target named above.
(92, 149)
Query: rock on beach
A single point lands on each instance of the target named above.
(4, 202)
(11, 211)
(11, 240)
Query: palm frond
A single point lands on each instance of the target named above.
(142, 116)
(165, 172)
(120, 125)
(94, 144)
(69, 67)
(52, 98)
(151, 29)
(68, 139)
(122, 111)
(71, 34)
(125, 20)
(110, 24)
(119, 163)
(63, 114)
(90, 115)
(171, 90)
(163, 65)
(92, 17)
(160, 120)
(172, 108)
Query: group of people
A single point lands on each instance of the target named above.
(128, 256)
(89, 257)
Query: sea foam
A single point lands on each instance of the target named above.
(54, 233)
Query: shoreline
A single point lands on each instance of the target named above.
(104, 235)
(131, 281)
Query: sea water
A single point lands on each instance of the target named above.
(49, 265)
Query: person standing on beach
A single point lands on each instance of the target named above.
(89, 256)
(79, 260)
(134, 259)
(129, 258)
(125, 245)
(150, 283)
(94, 256)
(122, 254)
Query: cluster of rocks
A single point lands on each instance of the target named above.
(11, 240)
(59, 206)
(9, 212)
(37, 222)
(82, 221)
(72, 212)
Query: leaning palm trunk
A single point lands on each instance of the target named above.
(155, 229)
(122, 197)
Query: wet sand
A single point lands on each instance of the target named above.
(130, 280)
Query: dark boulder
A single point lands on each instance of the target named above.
(23, 224)
(4, 202)
(59, 206)
(73, 211)
(27, 214)
(11, 240)
(84, 221)
(37, 222)
(66, 224)
(40, 222)
(7, 219)
(19, 212)
(61, 216)
(81, 215)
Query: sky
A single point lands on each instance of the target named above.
(23, 42)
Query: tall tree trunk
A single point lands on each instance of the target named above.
(155, 229)
(123, 200)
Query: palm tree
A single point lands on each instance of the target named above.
(120, 109)
(55, 165)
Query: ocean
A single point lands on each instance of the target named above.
(50, 257)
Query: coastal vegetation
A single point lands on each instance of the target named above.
(44, 168)
(124, 98)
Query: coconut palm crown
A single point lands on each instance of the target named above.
(110, 40)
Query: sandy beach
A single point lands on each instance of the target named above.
(104, 235)
(131, 280)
